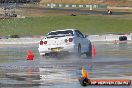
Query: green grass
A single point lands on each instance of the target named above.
(86, 23)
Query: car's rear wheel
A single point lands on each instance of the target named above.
(89, 53)
(43, 56)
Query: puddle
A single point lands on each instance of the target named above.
(111, 61)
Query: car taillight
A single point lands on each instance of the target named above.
(41, 42)
(70, 39)
(45, 42)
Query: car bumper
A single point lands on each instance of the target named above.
(48, 49)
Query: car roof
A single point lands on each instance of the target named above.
(64, 30)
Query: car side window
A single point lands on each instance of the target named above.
(79, 34)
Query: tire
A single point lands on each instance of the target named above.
(79, 51)
(89, 53)
(123, 38)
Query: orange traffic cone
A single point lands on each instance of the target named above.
(30, 55)
(93, 51)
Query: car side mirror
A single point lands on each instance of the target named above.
(85, 36)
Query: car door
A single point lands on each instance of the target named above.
(81, 40)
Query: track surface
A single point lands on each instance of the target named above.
(111, 61)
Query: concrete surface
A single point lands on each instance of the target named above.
(20, 41)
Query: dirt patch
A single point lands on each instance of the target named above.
(39, 12)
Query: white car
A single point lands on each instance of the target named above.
(68, 41)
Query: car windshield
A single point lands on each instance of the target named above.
(67, 33)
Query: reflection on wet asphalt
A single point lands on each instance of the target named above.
(111, 61)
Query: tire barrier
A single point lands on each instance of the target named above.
(122, 38)
(109, 12)
(73, 15)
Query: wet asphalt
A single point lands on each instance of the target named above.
(112, 61)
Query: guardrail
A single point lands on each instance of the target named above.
(90, 6)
